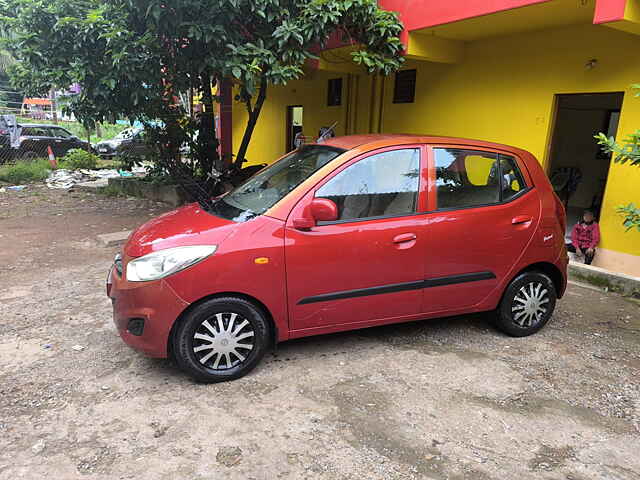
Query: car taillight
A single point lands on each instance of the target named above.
(560, 213)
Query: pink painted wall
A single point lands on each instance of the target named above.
(609, 10)
(416, 14)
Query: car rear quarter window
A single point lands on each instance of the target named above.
(383, 184)
(471, 178)
(512, 179)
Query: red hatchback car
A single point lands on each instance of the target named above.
(359, 231)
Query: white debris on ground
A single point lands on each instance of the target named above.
(65, 179)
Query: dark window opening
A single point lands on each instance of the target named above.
(334, 96)
(404, 90)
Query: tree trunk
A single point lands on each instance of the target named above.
(207, 133)
(251, 122)
(54, 110)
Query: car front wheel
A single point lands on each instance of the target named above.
(221, 339)
(527, 304)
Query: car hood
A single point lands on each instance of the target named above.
(188, 225)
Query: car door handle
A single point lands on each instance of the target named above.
(520, 219)
(405, 237)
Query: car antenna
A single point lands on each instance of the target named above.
(327, 132)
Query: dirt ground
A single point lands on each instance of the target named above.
(444, 399)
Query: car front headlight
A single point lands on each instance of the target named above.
(162, 263)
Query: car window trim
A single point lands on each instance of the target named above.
(495, 204)
(423, 165)
(500, 176)
(366, 219)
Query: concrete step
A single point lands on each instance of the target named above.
(621, 283)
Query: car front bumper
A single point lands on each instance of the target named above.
(105, 151)
(144, 312)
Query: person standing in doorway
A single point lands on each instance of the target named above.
(585, 236)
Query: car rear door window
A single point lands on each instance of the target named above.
(472, 178)
(34, 132)
(384, 184)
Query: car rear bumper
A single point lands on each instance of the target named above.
(153, 304)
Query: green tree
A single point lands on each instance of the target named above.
(134, 57)
(626, 152)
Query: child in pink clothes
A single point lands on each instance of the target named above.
(585, 236)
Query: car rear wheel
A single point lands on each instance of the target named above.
(221, 339)
(527, 304)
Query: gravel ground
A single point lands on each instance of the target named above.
(443, 399)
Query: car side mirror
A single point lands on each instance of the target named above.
(319, 210)
(323, 210)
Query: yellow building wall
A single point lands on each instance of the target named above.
(503, 91)
(269, 139)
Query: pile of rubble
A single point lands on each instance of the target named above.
(66, 179)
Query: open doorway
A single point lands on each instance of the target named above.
(294, 127)
(578, 168)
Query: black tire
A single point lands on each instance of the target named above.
(203, 321)
(527, 304)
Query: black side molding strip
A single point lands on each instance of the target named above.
(400, 287)
(363, 292)
(463, 278)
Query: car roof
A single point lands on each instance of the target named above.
(381, 140)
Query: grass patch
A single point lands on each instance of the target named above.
(76, 159)
(110, 164)
(25, 172)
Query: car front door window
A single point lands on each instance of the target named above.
(384, 184)
(61, 133)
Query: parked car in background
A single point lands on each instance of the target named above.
(34, 139)
(130, 141)
(356, 232)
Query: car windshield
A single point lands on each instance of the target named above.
(265, 189)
